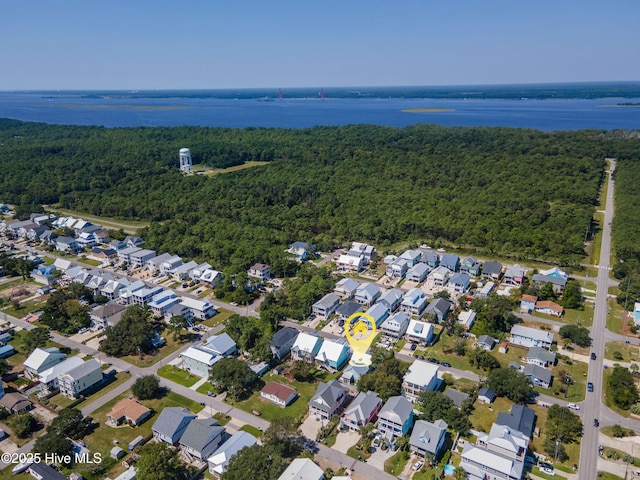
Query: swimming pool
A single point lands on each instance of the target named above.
(449, 470)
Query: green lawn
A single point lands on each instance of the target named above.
(207, 387)
(608, 476)
(353, 452)
(25, 308)
(574, 317)
(575, 392)
(572, 449)
(628, 352)
(90, 261)
(148, 360)
(483, 416)
(59, 401)
(617, 320)
(175, 374)
(222, 315)
(395, 465)
(256, 432)
(222, 418)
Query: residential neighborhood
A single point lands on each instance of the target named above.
(420, 299)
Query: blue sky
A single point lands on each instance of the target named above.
(142, 44)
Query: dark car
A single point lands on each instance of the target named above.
(412, 347)
(446, 364)
(419, 357)
(590, 387)
(433, 360)
(596, 423)
(593, 356)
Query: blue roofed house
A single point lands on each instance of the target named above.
(367, 294)
(300, 250)
(222, 345)
(459, 283)
(391, 299)
(417, 273)
(346, 288)
(396, 325)
(521, 419)
(395, 419)
(450, 261)
(171, 424)
(439, 308)
(412, 257)
(326, 305)
(414, 302)
(43, 274)
(538, 375)
(378, 312)
(333, 354)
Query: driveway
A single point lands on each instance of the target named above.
(344, 441)
(310, 427)
(378, 458)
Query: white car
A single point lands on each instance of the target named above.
(418, 465)
(573, 406)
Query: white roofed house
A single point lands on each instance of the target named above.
(417, 273)
(397, 269)
(199, 361)
(124, 255)
(170, 264)
(144, 295)
(439, 276)
(481, 463)
(49, 378)
(396, 325)
(302, 469)
(364, 249)
(350, 263)
(197, 271)
(367, 294)
(212, 277)
(80, 378)
(200, 309)
(420, 377)
(467, 318)
(419, 332)
(220, 459)
(346, 288)
(162, 302)
(42, 359)
(306, 347)
(326, 305)
(333, 354)
(182, 272)
(531, 337)
(414, 302)
(112, 288)
(364, 409)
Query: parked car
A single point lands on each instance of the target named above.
(412, 347)
(418, 465)
(596, 423)
(419, 357)
(573, 406)
(433, 360)
(593, 356)
(590, 387)
(446, 364)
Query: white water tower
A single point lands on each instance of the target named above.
(185, 161)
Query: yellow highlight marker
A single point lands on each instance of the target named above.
(360, 330)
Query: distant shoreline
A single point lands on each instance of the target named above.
(427, 110)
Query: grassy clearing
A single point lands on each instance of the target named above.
(205, 170)
(617, 320)
(627, 352)
(89, 261)
(571, 316)
(175, 374)
(222, 418)
(144, 361)
(484, 416)
(222, 315)
(608, 476)
(395, 465)
(128, 226)
(25, 308)
(593, 250)
(607, 398)
(256, 432)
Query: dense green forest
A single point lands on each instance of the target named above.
(514, 192)
(625, 228)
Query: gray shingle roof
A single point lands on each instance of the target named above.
(456, 396)
(521, 419)
(283, 336)
(397, 409)
(199, 434)
(170, 419)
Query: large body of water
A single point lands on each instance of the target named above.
(606, 106)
